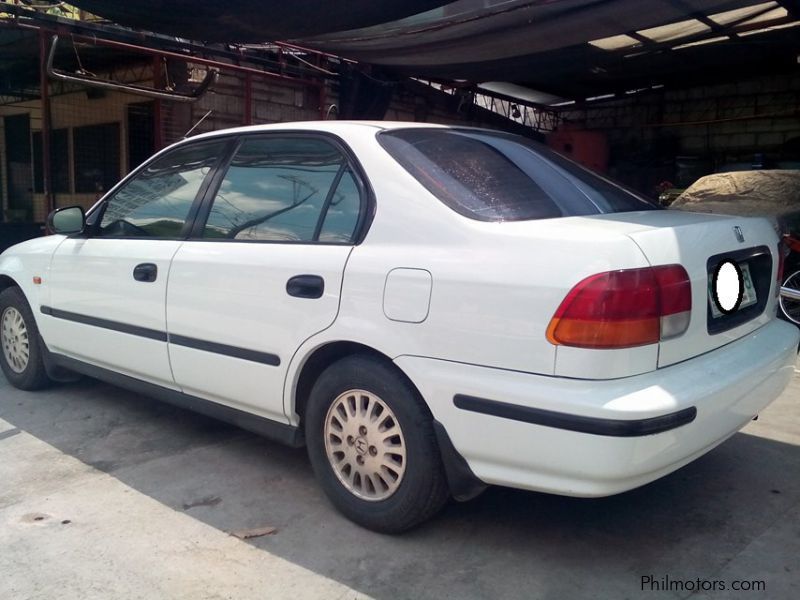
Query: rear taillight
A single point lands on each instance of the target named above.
(622, 309)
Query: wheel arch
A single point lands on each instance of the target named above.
(462, 482)
(324, 356)
(28, 293)
(7, 282)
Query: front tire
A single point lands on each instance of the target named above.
(372, 445)
(20, 346)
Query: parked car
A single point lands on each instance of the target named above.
(430, 310)
(774, 194)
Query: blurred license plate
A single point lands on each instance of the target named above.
(748, 297)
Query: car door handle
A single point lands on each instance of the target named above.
(146, 272)
(306, 286)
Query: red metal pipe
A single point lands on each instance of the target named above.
(248, 99)
(158, 113)
(47, 168)
(322, 99)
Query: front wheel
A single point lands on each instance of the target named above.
(372, 446)
(20, 350)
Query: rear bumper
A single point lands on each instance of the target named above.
(597, 438)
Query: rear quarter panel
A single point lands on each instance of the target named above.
(495, 286)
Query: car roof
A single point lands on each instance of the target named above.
(337, 127)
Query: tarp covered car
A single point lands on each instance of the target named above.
(772, 193)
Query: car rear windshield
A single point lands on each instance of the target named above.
(492, 176)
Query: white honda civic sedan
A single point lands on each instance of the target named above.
(429, 310)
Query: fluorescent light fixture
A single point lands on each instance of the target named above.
(519, 92)
(703, 42)
(635, 54)
(602, 97)
(773, 28)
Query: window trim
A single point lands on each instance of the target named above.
(326, 204)
(366, 195)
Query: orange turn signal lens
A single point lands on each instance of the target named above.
(604, 334)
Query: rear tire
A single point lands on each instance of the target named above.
(20, 345)
(372, 445)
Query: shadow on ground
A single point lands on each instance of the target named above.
(505, 543)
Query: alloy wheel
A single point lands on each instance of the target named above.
(365, 445)
(14, 339)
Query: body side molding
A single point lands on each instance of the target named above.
(265, 358)
(579, 423)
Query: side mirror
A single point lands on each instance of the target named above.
(67, 221)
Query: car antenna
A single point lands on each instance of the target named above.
(196, 125)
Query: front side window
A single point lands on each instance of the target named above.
(286, 189)
(156, 202)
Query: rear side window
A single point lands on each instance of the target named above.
(492, 176)
(468, 175)
(286, 190)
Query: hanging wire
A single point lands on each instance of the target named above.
(313, 66)
(81, 69)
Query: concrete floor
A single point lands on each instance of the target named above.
(106, 494)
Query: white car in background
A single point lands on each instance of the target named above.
(429, 309)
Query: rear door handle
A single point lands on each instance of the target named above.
(306, 286)
(146, 272)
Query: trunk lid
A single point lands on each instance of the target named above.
(700, 242)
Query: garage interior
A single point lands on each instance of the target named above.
(655, 94)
